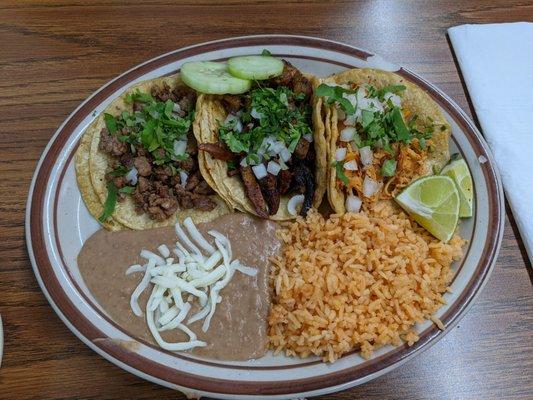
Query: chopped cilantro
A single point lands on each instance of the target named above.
(231, 165)
(119, 171)
(126, 189)
(334, 94)
(110, 123)
(110, 202)
(388, 168)
(339, 167)
(284, 117)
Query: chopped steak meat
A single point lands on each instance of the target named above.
(185, 97)
(192, 181)
(204, 189)
(144, 168)
(270, 192)
(285, 179)
(232, 103)
(253, 191)
(304, 180)
(218, 150)
(111, 145)
(300, 152)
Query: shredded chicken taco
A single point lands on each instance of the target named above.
(265, 149)
(137, 164)
(382, 133)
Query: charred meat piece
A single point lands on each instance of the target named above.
(301, 84)
(301, 149)
(137, 106)
(192, 181)
(286, 77)
(233, 172)
(204, 189)
(111, 145)
(217, 150)
(190, 164)
(284, 181)
(253, 191)
(270, 192)
(144, 168)
(126, 160)
(161, 93)
(203, 203)
(185, 98)
(232, 103)
(305, 181)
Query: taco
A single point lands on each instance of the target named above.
(382, 133)
(265, 149)
(137, 164)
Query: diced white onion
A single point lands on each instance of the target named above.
(347, 134)
(353, 203)
(238, 123)
(131, 176)
(366, 155)
(244, 162)
(285, 154)
(183, 178)
(351, 165)
(260, 171)
(255, 114)
(294, 203)
(176, 108)
(370, 186)
(179, 147)
(308, 137)
(273, 168)
(340, 153)
(394, 98)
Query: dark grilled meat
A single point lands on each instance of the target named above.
(301, 84)
(284, 181)
(111, 145)
(218, 150)
(192, 181)
(300, 152)
(232, 103)
(305, 181)
(253, 191)
(203, 188)
(143, 166)
(270, 192)
(286, 77)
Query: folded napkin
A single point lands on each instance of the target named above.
(497, 64)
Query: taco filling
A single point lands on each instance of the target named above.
(153, 154)
(380, 146)
(266, 140)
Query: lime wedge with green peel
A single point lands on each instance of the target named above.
(458, 171)
(255, 67)
(433, 202)
(212, 78)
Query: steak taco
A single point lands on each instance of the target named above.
(382, 132)
(264, 149)
(137, 164)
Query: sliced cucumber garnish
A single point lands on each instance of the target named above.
(255, 67)
(212, 78)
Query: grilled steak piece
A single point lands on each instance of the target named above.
(111, 145)
(270, 192)
(284, 181)
(192, 181)
(218, 150)
(232, 103)
(305, 181)
(204, 189)
(301, 84)
(300, 152)
(203, 203)
(185, 98)
(144, 168)
(253, 191)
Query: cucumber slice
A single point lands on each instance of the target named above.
(255, 67)
(212, 78)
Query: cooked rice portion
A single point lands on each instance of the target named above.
(356, 281)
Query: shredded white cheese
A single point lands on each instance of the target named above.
(202, 270)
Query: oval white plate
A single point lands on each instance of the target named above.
(57, 224)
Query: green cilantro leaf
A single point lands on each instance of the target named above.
(339, 168)
(126, 189)
(388, 168)
(110, 202)
(110, 123)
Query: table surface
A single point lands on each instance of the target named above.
(55, 54)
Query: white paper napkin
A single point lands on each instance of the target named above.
(497, 64)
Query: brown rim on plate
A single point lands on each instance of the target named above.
(78, 322)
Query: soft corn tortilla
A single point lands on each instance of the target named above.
(414, 98)
(209, 112)
(92, 164)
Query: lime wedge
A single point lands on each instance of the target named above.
(458, 171)
(433, 202)
(212, 78)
